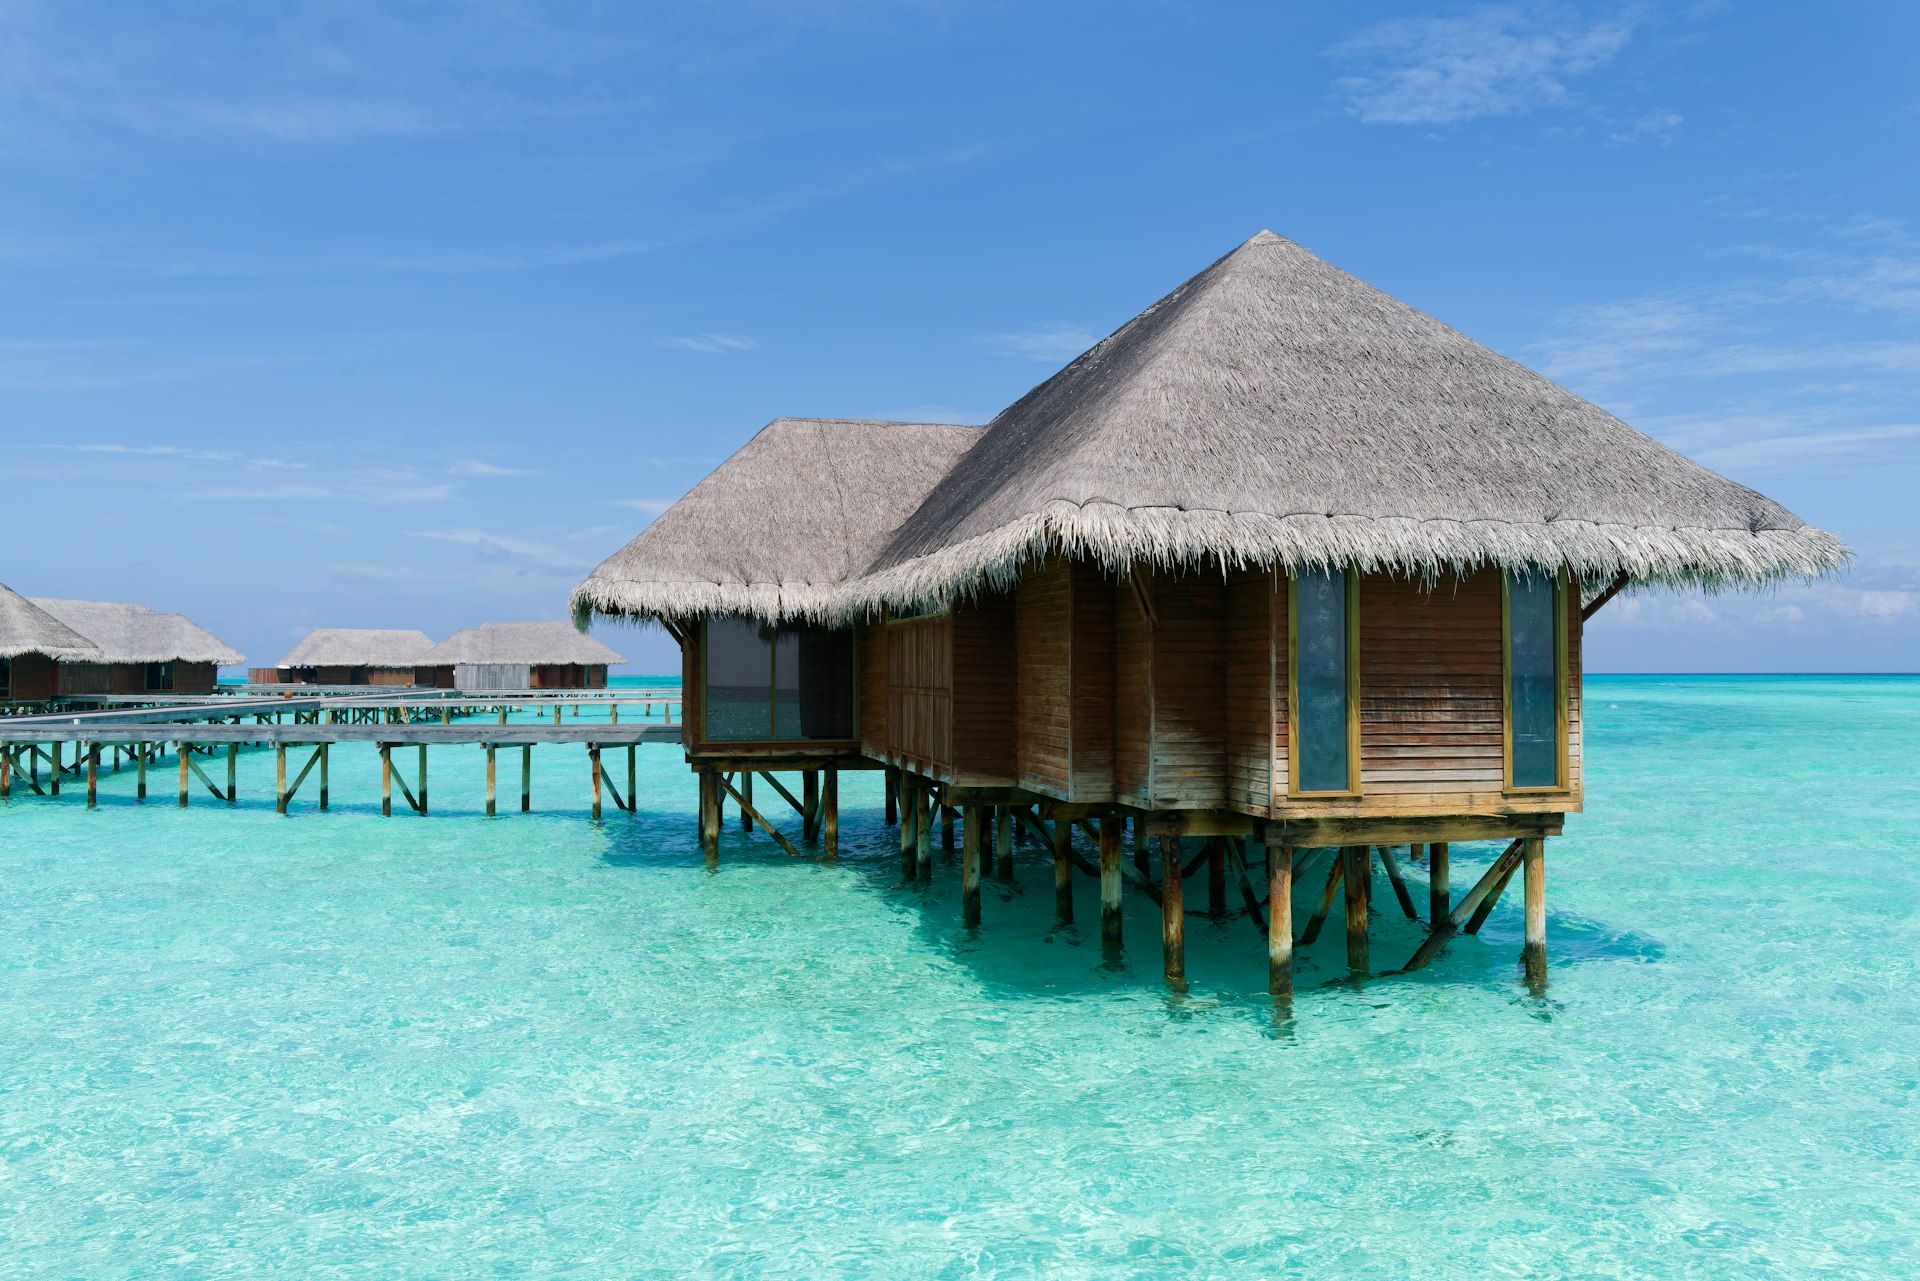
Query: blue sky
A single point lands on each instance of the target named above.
(406, 314)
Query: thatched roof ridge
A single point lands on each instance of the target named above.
(128, 633)
(779, 529)
(516, 643)
(25, 628)
(358, 647)
(1274, 409)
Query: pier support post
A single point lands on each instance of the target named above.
(490, 778)
(1439, 885)
(1173, 913)
(180, 750)
(279, 778)
(710, 815)
(141, 751)
(93, 775)
(746, 792)
(909, 842)
(324, 789)
(923, 831)
(1003, 843)
(1110, 881)
(970, 868)
(829, 813)
(593, 762)
(386, 781)
(423, 780)
(1388, 861)
(6, 771)
(526, 777)
(633, 797)
(1216, 876)
(1280, 919)
(1063, 871)
(892, 796)
(233, 767)
(53, 784)
(810, 802)
(946, 827)
(1359, 859)
(1533, 862)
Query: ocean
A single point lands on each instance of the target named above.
(337, 1045)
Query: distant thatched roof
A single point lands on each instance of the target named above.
(136, 634)
(358, 647)
(516, 643)
(1275, 410)
(25, 628)
(780, 527)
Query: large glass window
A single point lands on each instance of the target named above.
(1533, 680)
(1322, 749)
(159, 676)
(790, 683)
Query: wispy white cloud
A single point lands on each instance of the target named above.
(474, 467)
(1655, 126)
(505, 547)
(1493, 60)
(1045, 342)
(711, 344)
(651, 506)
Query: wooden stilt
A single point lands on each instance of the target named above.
(53, 788)
(1003, 843)
(1216, 876)
(1173, 913)
(93, 775)
(810, 806)
(923, 831)
(1063, 871)
(386, 781)
(593, 760)
(1487, 904)
(233, 768)
(1533, 860)
(6, 771)
(892, 796)
(909, 842)
(947, 815)
(1358, 858)
(633, 794)
(140, 771)
(746, 790)
(423, 778)
(1439, 890)
(526, 777)
(830, 813)
(490, 778)
(1336, 876)
(1280, 920)
(324, 788)
(710, 814)
(1392, 865)
(1446, 929)
(279, 778)
(1110, 931)
(970, 867)
(181, 750)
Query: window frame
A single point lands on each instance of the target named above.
(168, 678)
(1354, 789)
(1562, 716)
(707, 741)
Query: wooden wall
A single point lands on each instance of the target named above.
(33, 678)
(1255, 715)
(984, 751)
(1043, 679)
(920, 694)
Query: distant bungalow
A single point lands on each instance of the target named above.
(33, 643)
(1281, 562)
(351, 656)
(520, 656)
(140, 650)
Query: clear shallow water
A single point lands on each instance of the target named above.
(346, 1046)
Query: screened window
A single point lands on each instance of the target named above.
(783, 684)
(1322, 683)
(1533, 680)
(159, 676)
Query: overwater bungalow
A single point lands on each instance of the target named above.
(141, 650)
(520, 656)
(33, 643)
(352, 656)
(1282, 564)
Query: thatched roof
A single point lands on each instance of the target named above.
(135, 634)
(516, 643)
(358, 647)
(1275, 410)
(783, 525)
(25, 628)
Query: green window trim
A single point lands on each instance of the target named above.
(1350, 653)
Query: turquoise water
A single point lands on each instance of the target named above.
(345, 1046)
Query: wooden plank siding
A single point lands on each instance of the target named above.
(920, 694)
(1045, 638)
(984, 749)
(1093, 686)
(1132, 700)
(1189, 735)
(1255, 715)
